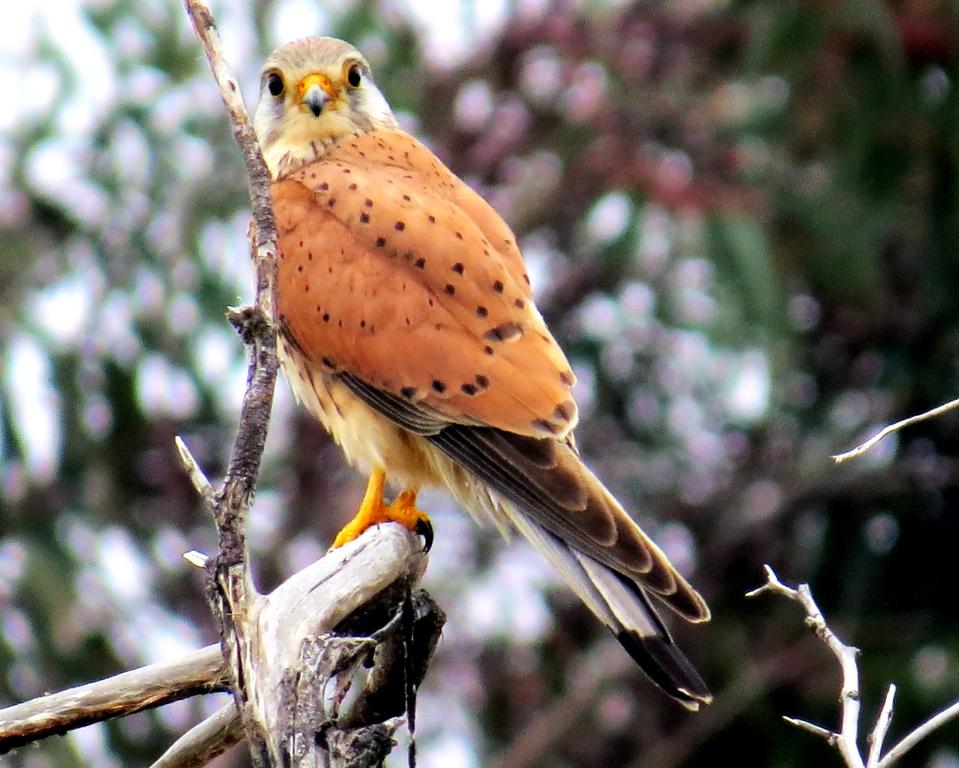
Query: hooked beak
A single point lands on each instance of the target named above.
(315, 91)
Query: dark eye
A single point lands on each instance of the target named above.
(274, 84)
(353, 76)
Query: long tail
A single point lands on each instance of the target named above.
(542, 488)
(624, 607)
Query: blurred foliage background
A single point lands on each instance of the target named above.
(741, 219)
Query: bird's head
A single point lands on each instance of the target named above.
(314, 90)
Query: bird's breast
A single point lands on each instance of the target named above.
(366, 438)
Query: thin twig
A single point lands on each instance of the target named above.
(197, 476)
(913, 738)
(204, 741)
(151, 686)
(878, 734)
(846, 740)
(888, 430)
(230, 591)
(196, 559)
(816, 730)
(264, 226)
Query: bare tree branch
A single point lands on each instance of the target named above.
(230, 591)
(343, 608)
(349, 623)
(845, 741)
(200, 672)
(878, 734)
(197, 476)
(891, 428)
(204, 741)
(949, 713)
(281, 666)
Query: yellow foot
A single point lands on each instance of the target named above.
(404, 511)
(374, 510)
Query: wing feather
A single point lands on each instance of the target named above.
(386, 274)
(547, 481)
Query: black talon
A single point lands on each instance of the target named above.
(424, 528)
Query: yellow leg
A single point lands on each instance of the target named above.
(374, 510)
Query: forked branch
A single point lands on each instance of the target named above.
(845, 740)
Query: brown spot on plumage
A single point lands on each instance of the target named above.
(408, 392)
(481, 311)
(498, 286)
(458, 268)
(438, 386)
(399, 226)
(365, 218)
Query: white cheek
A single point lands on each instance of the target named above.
(266, 119)
(375, 104)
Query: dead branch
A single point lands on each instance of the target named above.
(280, 664)
(846, 739)
(322, 668)
(346, 610)
(918, 734)
(230, 590)
(891, 428)
(204, 741)
(153, 686)
(849, 698)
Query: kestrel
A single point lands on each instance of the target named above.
(408, 328)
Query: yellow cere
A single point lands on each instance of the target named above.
(323, 81)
